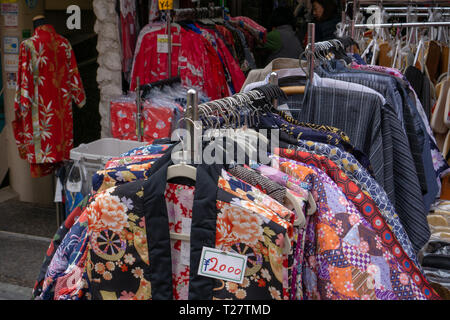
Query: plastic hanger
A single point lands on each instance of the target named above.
(300, 221)
(181, 170)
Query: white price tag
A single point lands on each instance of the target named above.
(162, 43)
(227, 266)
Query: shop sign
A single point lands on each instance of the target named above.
(9, 8)
(11, 45)
(11, 62)
(11, 13)
(11, 80)
(165, 4)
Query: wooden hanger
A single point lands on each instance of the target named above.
(291, 90)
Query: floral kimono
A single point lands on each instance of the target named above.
(130, 254)
(47, 82)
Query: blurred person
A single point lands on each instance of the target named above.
(326, 17)
(282, 42)
(303, 15)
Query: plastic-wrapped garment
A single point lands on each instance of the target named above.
(158, 121)
(436, 262)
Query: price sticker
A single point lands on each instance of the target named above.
(162, 43)
(165, 4)
(227, 266)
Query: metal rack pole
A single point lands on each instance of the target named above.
(273, 79)
(312, 47)
(169, 39)
(192, 113)
(139, 110)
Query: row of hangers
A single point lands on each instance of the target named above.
(229, 109)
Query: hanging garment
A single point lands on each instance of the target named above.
(350, 166)
(55, 243)
(387, 256)
(422, 86)
(433, 56)
(133, 274)
(48, 81)
(405, 192)
(153, 10)
(437, 159)
(129, 33)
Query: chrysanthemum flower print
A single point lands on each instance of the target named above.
(244, 226)
(107, 212)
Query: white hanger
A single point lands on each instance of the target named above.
(181, 170)
(300, 221)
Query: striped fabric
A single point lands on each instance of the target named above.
(408, 182)
(358, 114)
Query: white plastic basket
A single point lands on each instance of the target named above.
(93, 156)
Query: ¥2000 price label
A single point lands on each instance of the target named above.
(165, 4)
(227, 266)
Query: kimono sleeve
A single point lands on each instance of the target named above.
(76, 84)
(23, 101)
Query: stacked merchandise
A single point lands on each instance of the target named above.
(210, 55)
(162, 109)
(313, 219)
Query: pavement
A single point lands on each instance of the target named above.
(25, 233)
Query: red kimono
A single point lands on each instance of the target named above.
(48, 81)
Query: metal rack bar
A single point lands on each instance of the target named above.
(399, 24)
(402, 3)
(412, 7)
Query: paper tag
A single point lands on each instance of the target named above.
(163, 43)
(165, 4)
(58, 192)
(227, 266)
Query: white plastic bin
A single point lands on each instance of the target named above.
(93, 156)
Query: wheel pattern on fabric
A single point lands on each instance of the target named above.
(108, 245)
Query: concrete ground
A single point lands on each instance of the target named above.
(25, 234)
